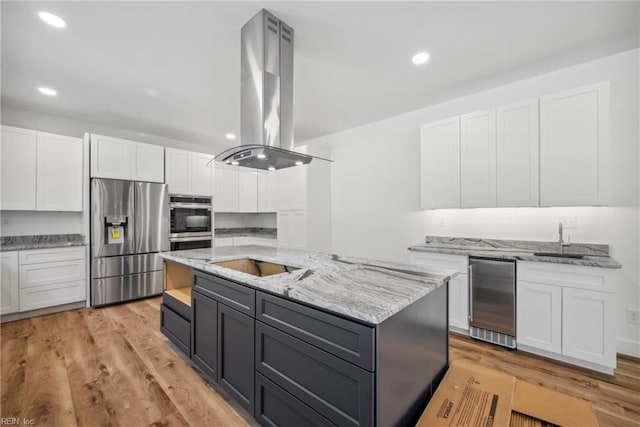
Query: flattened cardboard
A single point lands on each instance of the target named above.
(471, 395)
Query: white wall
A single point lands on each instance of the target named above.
(18, 223)
(375, 183)
(241, 220)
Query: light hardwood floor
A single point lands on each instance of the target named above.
(112, 366)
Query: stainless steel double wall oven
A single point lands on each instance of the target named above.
(190, 222)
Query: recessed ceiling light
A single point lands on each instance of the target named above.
(420, 58)
(262, 156)
(271, 168)
(231, 136)
(298, 163)
(53, 20)
(235, 163)
(47, 91)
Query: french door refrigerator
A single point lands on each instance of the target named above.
(129, 227)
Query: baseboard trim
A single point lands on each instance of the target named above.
(41, 311)
(628, 347)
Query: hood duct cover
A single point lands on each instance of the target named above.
(266, 99)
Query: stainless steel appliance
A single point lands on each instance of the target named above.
(266, 97)
(129, 226)
(492, 300)
(190, 222)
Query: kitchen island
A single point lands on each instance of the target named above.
(303, 338)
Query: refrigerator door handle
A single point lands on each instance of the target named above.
(470, 293)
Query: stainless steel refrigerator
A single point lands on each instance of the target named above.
(129, 226)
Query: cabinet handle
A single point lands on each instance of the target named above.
(470, 293)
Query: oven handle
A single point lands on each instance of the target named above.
(470, 293)
(206, 206)
(189, 239)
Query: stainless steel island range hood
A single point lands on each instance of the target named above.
(266, 103)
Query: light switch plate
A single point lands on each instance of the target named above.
(569, 221)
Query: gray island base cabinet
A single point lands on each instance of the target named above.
(291, 364)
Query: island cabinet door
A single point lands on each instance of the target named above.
(236, 348)
(338, 390)
(204, 334)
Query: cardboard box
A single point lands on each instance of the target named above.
(471, 395)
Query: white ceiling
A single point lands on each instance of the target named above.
(352, 64)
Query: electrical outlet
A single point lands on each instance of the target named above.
(440, 220)
(569, 221)
(633, 316)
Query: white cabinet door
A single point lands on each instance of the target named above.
(177, 169)
(478, 159)
(230, 189)
(292, 188)
(574, 134)
(517, 154)
(539, 316)
(440, 164)
(59, 173)
(292, 229)
(247, 190)
(201, 175)
(267, 191)
(218, 187)
(147, 162)
(10, 296)
(459, 302)
(110, 157)
(588, 326)
(18, 169)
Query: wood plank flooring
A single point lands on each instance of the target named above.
(112, 366)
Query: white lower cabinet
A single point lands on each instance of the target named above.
(292, 229)
(566, 312)
(9, 298)
(50, 277)
(458, 285)
(539, 316)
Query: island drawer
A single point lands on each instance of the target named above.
(176, 328)
(348, 340)
(276, 407)
(177, 305)
(338, 390)
(228, 292)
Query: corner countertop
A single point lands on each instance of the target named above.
(365, 290)
(595, 255)
(45, 241)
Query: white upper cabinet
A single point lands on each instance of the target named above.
(517, 154)
(147, 162)
(178, 171)
(574, 133)
(440, 164)
(18, 174)
(478, 159)
(59, 172)
(267, 191)
(122, 159)
(225, 195)
(201, 174)
(247, 190)
(187, 173)
(292, 188)
(41, 171)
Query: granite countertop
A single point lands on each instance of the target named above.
(16, 243)
(595, 255)
(366, 290)
(267, 233)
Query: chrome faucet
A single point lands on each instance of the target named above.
(561, 242)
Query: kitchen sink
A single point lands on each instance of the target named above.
(559, 255)
(255, 267)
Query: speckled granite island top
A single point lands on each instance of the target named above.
(46, 241)
(594, 255)
(366, 290)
